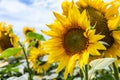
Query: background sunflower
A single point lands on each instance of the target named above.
(26, 30)
(36, 58)
(7, 38)
(105, 16)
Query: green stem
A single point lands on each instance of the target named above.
(86, 72)
(81, 74)
(110, 69)
(29, 70)
(115, 72)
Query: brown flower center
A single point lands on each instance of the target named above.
(27, 31)
(5, 41)
(74, 40)
(40, 60)
(98, 19)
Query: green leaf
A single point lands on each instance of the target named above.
(9, 52)
(15, 69)
(118, 28)
(32, 35)
(32, 43)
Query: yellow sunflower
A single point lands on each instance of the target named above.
(38, 45)
(105, 16)
(114, 50)
(72, 40)
(26, 30)
(36, 56)
(7, 37)
(100, 11)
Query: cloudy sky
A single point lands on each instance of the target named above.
(32, 13)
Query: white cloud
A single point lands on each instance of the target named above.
(12, 6)
(35, 15)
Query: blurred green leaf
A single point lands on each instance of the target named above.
(32, 35)
(118, 28)
(15, 69)
(103, 75)
(9, 52)
(32, 43)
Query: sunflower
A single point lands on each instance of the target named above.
(72, 39)
(99, 12)
(26, 30)
(7, 37)
(114, 50)
(105, 16)
(36, 56)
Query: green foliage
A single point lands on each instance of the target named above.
(32, 35)
(118, 28)
(33, 43)
(10, 52)
(103, 75)
(10, 70)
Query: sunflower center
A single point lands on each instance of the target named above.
(74, 40)
(98, 19)
(5, 41)
(27, 31)
(41, 60)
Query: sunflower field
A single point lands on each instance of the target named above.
(83, 44)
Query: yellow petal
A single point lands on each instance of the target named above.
(82, 3)
(74, 15)
(98, 46)
(50, 33)
(81, 62)
(72, 63)
(114, 23)
(56, 26)
(85, 57)
(83, 21)
(65, 73)
(93, 38)
(63, 63)
(66, 6)
(60, 18)
(116, 35)
(93, 51)
(96, 38)
(112, 10)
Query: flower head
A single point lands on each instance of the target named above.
(7, 37)
(26, 30)
(105, 16)
(72, 40)
(36, 59)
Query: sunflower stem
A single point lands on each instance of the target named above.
(86, 72)
(81, 74)
(115, 71)
(28, 66)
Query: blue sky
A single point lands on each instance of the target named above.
(32, 13)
